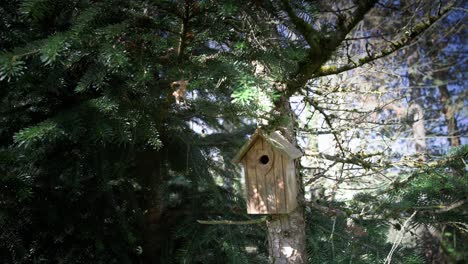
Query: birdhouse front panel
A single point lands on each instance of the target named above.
(270, 174)
(270, 179)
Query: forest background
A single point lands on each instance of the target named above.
(99, 164)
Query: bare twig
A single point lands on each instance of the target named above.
(231, 222)
(399, 238)
(418, 30)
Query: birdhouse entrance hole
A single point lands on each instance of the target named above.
(264, 159)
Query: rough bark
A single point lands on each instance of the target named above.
(286, 233)
(416, 110)
(321, 47)
(447, 108)
(183, 29)
(286, 238)
(150, 169)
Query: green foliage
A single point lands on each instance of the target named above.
(437, 192)
(432, 187)
(52, 48)
(36, 9)
(226, 242)
(335, 240)
(10, 66)
(244, 95)
(97, 162)
(439, 195)
(431, 191)
(46, 132)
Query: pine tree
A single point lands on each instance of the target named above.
(104, 165)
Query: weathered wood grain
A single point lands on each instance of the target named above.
(271, 185)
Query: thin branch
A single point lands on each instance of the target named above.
(327, 120)
(417, 31)
(310, 35)
(344, 27)
(231, 222)
(316, 57)
(399, 238)
(443, 208)
(334, 212)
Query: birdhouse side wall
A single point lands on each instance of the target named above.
(280, 186)
(291, 186)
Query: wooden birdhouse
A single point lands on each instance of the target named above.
(270, 173)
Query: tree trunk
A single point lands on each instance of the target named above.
(286, 238)
(416, 110)
(431, 242)
(151, 171)
(447, 109)
(286, 233)
(416, 113)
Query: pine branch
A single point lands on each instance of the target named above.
(183, 30)
(443, 208)
(310, 65)
(231, 222)
(334, 212)
(344, 27)
(310, 35)
(171, 9)
(418, 30)
(329, 211)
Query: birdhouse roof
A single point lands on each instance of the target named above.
(275, 139)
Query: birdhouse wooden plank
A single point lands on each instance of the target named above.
(270, 174)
